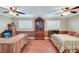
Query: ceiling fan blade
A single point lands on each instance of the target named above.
(5, 8)
(73, 11)
(6, 12)
(20, 12)
(58, 13)
(75, 7)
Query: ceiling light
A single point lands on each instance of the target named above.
(66, 13)
(11, 12)
(14, 13)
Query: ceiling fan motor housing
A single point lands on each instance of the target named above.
(66, 9)
(13, 9)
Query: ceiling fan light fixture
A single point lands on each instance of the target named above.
(66, 13)
(66, 10)
(14, 14)
(10, 12)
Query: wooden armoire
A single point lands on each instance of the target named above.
(39, 28)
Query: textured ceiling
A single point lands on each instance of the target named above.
(33, 11)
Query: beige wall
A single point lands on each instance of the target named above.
(64, 24)
(3, 23)
(74, 23)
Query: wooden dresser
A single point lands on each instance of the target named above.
(13, 44)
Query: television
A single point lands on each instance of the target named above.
(7, 34)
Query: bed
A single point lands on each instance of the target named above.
(65, 42)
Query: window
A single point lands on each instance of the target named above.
(53, 24)
(25, 24)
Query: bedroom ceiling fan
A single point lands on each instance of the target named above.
(13, 10)
(68, 10)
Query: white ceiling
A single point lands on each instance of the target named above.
(34, 11)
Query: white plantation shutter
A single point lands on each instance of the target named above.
(53, 24)
(25, 24)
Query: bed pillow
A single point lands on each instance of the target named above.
(63, 32)
(71, 33)
(76, 35)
